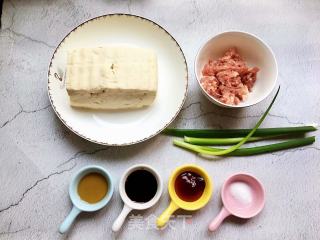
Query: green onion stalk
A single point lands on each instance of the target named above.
(226, 133)
(238, 145)
(209, 151)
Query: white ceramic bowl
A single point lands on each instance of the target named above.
(254, 51)
(120, 128)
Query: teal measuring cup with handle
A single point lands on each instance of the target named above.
(78, 204)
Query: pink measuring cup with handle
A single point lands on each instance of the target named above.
(232, 206)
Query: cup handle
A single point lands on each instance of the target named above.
(120, 219)
(215, 223)
(165, 216)
(69, 219)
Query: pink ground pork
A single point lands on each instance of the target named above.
(228, 79)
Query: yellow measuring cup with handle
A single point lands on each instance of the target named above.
(177, 202)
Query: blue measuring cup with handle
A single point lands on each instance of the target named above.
(78, 204)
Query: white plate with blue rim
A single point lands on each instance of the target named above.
(121, 128)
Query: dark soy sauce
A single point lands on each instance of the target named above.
(141, 186)
(189, 186)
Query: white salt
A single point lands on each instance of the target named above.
(241, 192)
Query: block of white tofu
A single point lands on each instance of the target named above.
(111, 77)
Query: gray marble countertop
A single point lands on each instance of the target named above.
(38, 154)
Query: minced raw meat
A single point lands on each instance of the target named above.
(229, 79)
